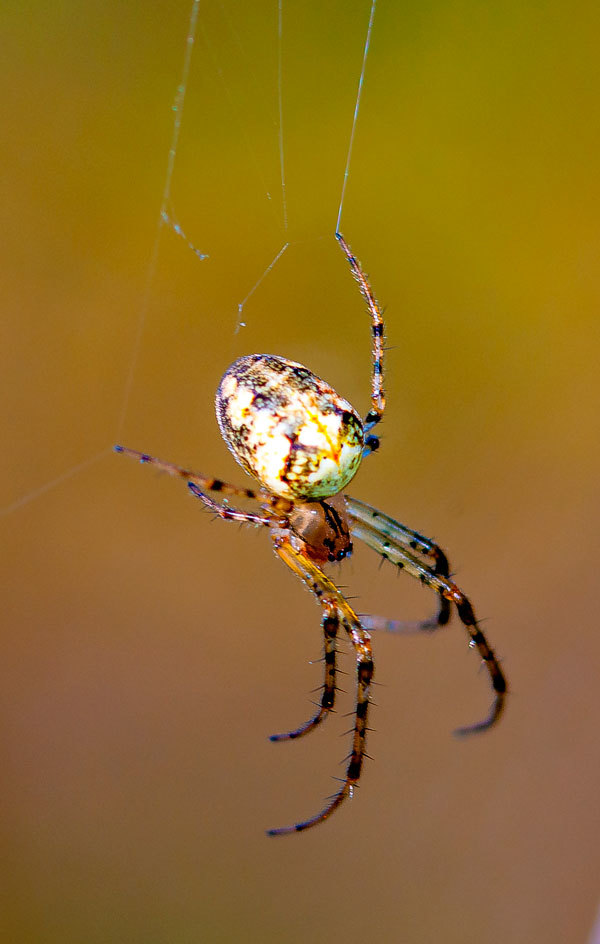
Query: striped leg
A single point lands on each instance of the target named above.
(202, 481)
(233, 514)
(330, 625)
(389, 545)
(328, 595)
(196, 483)
(377, 330)
(413, 541)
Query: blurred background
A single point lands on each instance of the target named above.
(148, 651)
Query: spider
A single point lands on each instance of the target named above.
(303, 443)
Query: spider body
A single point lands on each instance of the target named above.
(288, 428)
(303, 443)
(322, 529)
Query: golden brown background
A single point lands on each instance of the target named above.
(147, 651)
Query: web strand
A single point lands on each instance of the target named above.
(239, 116)
(163, 216)
(166, 217)
(170, 220)
(145, 304)
(240, 323)
(356, 108)
(53, 483)
(280, 100)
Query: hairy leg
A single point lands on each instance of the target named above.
(377, 331)
(328, 595)
(202, 481)
(414, 541)
(330, 625)
(197, 483)
(233, 514)
(391, 548)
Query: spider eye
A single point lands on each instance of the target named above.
(340, 555)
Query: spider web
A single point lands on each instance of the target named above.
(272, 186)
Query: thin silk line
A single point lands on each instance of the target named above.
(356, 107)
(162, 218)
(145, 306)
(242, 324)
(54, 482)
(280, 97)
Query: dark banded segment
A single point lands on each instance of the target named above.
(330, 624)
(203, 482)
(372, 444)
(377, 332)
(197, 483)
(365, 671)
(478, 640)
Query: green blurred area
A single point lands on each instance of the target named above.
(148, 651)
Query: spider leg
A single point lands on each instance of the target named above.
(202, 481)
(388, 544)
(413, 541)
(330, 625)
(197, 482)
(329, 596)
(377, 329)
(234, 514)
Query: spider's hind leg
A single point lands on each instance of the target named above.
(330, 624)
(390, 539)
(413, 541)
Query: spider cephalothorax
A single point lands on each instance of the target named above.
(323, 527)
(303, 444)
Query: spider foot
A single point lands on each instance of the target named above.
(336, 800)
(479, 726)
(319, 716)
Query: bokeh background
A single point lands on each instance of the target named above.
(148, 651)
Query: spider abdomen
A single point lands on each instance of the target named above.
(288, 428)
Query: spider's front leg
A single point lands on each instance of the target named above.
(375, 414)
(196, 483)
(330, 624)
(203, 482)
(329, 596)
